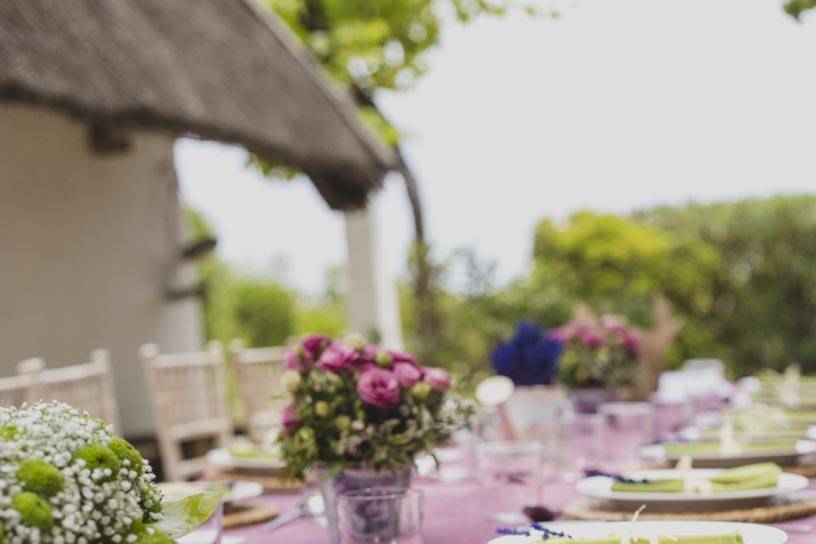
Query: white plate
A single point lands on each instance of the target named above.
(242, 490)
(753, 534)
(223, 458)
(600, 487)
(782, 457)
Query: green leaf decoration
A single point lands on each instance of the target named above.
(183, 516)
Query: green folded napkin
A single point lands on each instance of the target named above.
(756, 476)
(250, 451)
(652, 486)
(727, 538)
(760, 433)
(677, 449)
(748, 473)
(786, 417)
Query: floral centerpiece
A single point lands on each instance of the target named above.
(65, 478)
(530, 360)
(530, 357)
(360, 414)
(598, 355)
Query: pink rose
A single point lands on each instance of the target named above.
(336, 358)
(368, 356)
(631, 344)
(562, 334)
(293, 360)
(590, 339)
(288, 420)
(397, 357)
(379, 387)
(438, 379)
(313, 345)
(407, 374)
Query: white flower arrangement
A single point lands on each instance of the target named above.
(65, 479)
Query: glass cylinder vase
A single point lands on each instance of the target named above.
(353, 479)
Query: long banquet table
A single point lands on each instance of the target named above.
(453, 515)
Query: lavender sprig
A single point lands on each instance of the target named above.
(506, 531)
(615, 476)
(549, 533)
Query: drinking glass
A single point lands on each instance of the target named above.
(627, 428)
(381, 515)
(587, 435)
(670, 416)
(511, 476)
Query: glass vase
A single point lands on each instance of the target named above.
(353, 479)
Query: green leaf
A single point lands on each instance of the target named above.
(183, 516)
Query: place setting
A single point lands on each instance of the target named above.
(644, 532)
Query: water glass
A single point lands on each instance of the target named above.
(670, 416)
(627, 428)
(587, 436)
(511, 476)
(381, 515)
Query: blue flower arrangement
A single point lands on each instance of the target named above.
(530, 357)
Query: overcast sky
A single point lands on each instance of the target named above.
(617, 105)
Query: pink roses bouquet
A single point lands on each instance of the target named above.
(355, 404)
(601, 352)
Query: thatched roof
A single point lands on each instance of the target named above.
(220, 70)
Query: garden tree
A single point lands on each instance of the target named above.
(762, 309)
(372, 46)
(741, 275)
(619, 265)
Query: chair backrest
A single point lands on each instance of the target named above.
(188, 395)
(14, 390)
(86, 386)
(259, 371)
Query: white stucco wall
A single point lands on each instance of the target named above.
(87, 245)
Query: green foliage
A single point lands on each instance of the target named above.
(183, 516)
(371, 44)
(40, 477)
(153, 536)
(264, 310)
(795, 8)
(740, 274)
(618, 264)
(761, 298)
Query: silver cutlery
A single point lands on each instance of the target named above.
(311, 507)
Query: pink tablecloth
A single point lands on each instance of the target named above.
(453, 515)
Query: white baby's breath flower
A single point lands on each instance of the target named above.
(65, 479)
